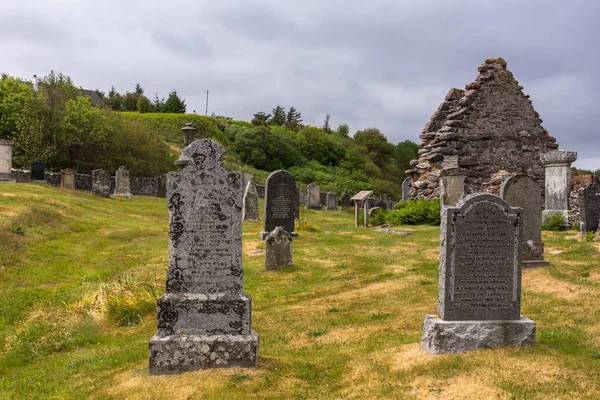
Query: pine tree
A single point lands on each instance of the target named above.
(138, 91)
(175, 104)
(115, 100)
(158, 104)
(293, 119)
(278, 116)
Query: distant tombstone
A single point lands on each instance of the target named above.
(361, 199)
(101, 183)
(387, 201)
(373, 210)
(278, 249)
(67, 179)
(122, 183)
(405, 189)
(479, 279)
(332, 202)
(313, 198)
(161, 190)
(452, 186)
(260, 189)
(204, 319)
(379, 203)
(280, 203)
(522, 191)
(297, 204)
(302, 197)
(345, 200)
(6, 150)
(557, 166)
(250, 210)
(38, 172)
(393, 205)
(589, 198)
(323, 196)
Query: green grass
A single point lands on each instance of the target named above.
(80, 275)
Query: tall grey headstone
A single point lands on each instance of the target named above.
(405, 189)
(479, 279)
(122, 183)
(522, 191)
(302, 197)
(6, 150)
(557, 166)
(332, 203)
(204, 319)
(313, 197)
(452, 186)
(101, 183)
(280, 203)
(278, 249)
(589, 198)
(345, 200)
(67, 179)
(38, 172)
(250, 211)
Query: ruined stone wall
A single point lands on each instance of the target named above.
(491, 127)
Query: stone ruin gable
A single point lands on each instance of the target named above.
(205, 217)
(490, 126)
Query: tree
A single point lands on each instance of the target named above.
(115, 100)
(278, 116)
(293, 119)
(175, 104)
(130, 101)
(138, 91)
(101, 94)
(326, 126)
(14, 96)
(143, 104)
(405, 152)
(158, 104)
(343, 130)
(260, 119)
(376, 143)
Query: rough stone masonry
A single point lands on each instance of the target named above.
(490, 126)
(204, 319)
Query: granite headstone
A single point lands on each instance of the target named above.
(250, 211)
(405, 189)
(101, 183)
(345, 200)
(38, 171)
(6, 151)
(332, 202)
(313, 198)
(280, 203)
(589, 202)
(67, 179)
(278, 249)
(122, 183)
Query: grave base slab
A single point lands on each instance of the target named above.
(175, 354)
(441, 336)
(122, 196)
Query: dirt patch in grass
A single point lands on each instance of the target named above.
(538, 280)
(406, 356)
(8, 194)
(8, 212)
(460, 387)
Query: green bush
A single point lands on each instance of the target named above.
(553, 222)
(415, 212)
(378, 217)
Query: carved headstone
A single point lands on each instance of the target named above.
(522, 191)
(278, 249)
(6, 149)
(302, 197)
(38, 171)
(67, 179)
(345, 200)
(557, 165)
(204, 319)
(250, 211)
(452, 185)
(101, 183)
(122, 183)
(313, 198)
(479, 279)
(590, 207)
(332, 203)
(405, 189)
(280, 203)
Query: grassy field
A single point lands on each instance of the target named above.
(79, 276)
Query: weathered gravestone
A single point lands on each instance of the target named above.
(122, 183)
(362, 199)
(250, 211)
(204, 319)
(280, 203)
(557, 167)
(405, 189)
(6, 149)
(452, 186)
(101, 183)
(323, 196)
(67, 179)
(313, 198)
(297, 204)
(479, 279)
(161, 190)
(387, 201)
(589, 198)
(332, 203)
(278, 249)
(261, 191)
(38, 172)
(302, 197)
(345, 200)
(522, 191)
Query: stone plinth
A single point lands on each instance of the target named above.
(101, 183)
(205, 318)
(280, 203)
(557, 166)
(6, 149)
(332, 202)
(278, 249)
(67, 179)
(122, 183)
(441, 336)
(313, 196)
(452, 186)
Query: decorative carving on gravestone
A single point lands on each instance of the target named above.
(405, 189)
(204, 319)
(67, 179)
(345, 200)
(452, 186)
(38, 172)
(122, 182)
(589, 196)
(6, 150)
(362, 199)
(280, 203)
(278, 249)
(479, 279)
(313, 197)
(101, 183)
(332, 203)
(522, 191)
(557, 165)
(250, 211)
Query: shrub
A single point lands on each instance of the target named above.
(378, 217)
(553, 222)
(414, 212)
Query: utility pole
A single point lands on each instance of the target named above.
(206, 111)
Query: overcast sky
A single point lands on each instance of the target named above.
(384, 64)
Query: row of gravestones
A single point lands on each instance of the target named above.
(204, 319)
(101, 182)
